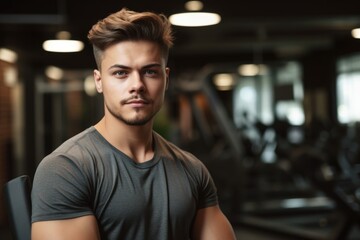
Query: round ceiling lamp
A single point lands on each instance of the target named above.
(355, 33)
(8, 55)
(194, 18)
(63, 44)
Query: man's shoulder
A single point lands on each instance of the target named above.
(171, 151)
(75, 147)
(81, 139)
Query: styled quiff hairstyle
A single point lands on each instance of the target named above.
(126, 25)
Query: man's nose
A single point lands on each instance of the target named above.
(137, 83)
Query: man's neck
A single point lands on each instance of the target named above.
(134, 141)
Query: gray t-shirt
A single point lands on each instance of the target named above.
(157, 199)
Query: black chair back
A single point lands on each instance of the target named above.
(18, 201)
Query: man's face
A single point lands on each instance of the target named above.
(133, 79)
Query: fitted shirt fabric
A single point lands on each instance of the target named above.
(157, 199)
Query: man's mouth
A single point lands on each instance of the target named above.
(136, 101)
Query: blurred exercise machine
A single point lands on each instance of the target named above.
(282, 197)
(337, 177)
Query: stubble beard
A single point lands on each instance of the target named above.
(136, 121)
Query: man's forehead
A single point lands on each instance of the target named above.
(134, 49)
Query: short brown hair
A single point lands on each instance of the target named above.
(129, 25)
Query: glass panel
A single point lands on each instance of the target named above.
(348, 97)
(348, 88)
(277, 93)
(289, 94)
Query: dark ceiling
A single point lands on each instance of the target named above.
(269, 30)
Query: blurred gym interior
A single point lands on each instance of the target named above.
(267, 99)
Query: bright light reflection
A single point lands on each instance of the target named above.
(63, 45)
(248, 94)
(248, 70)
(355, 33)
(8, 55)
(195, 19)
(89, 86)
(55, 73)
(294, 203)
(348, 87)
(224, 81)
(194, 5)
(343, 113)
(295, 116)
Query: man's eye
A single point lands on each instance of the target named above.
(120, 73)
(150, 72)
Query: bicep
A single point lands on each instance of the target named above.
(211, 224)
(81, 228)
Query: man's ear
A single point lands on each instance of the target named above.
(167, 71)
(98, 82)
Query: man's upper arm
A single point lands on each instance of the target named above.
(81, 228)
(211, 224)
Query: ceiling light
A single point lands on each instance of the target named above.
(8, 55)
(89, 86)
(194, 5)
(53, 72)
(194, 19)
(224, 81)
(355, 33)
(250, 70)
(63, 44)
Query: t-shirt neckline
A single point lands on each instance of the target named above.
(147, 164)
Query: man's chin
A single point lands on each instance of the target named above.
(136, 121)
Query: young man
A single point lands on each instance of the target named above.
(119, 179)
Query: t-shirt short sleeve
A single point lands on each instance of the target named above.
(207, 189)
(59, 190)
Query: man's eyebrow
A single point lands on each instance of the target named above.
(119, 66)
(152, 65)
(143, 67)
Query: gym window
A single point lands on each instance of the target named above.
(347, 89)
